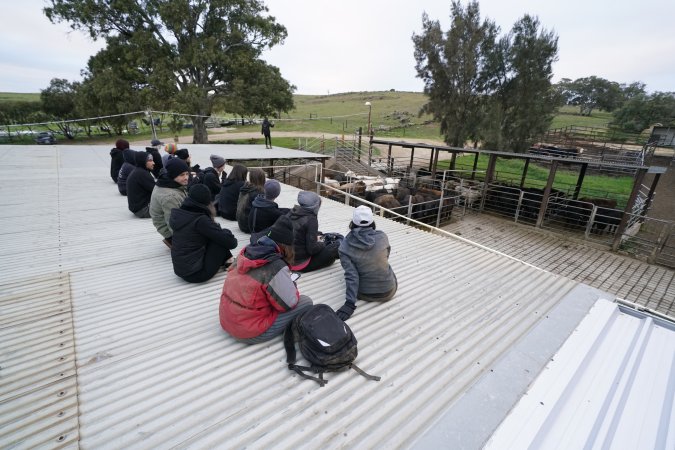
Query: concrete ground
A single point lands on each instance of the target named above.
(648, 285)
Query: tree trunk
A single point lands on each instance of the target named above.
(199, 132)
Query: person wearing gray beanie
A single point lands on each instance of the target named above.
(199, 246)
(311, 253)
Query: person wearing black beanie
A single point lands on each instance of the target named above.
(199, 246)
(169, 192)
(259, 297)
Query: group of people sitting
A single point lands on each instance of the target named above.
(259, 296)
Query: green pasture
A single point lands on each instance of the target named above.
(393, 115)
(510, 170)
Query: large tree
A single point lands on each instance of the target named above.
(110, 89)
(190, 52)
(594, 92)
(643, 111)
(452, 66)
(523, 100)
(59, 103)
(261, 92)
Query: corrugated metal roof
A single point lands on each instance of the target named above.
(611, 385)
(154, 368)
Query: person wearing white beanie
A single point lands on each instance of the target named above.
(364, 255)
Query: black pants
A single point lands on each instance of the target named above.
(214, 258)
(268, 139)
(324, 258)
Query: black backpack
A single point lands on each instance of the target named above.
(326, 342)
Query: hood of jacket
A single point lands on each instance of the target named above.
(188, 212)
(140, 158)
(361, 237)
(129, 156)
(257, 255)
(261, 202)
(301, 211)
(115, 152)
(249, 188)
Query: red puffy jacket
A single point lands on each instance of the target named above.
(256, 290)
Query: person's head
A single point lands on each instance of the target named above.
(122, 144)
(149, 162)
(156, 143)
(178, 171)
(362, 218)
(309, 200)
(201, 195)
(272, 189)
(171, 148)
(183, 154)
(282, 234)
(256, 177)
(238, 173)
(218, 162)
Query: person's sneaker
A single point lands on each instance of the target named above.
(167, 242)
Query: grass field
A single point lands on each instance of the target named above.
(16, 97)
(393, 115)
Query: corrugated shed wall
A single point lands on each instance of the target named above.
(611, 385)
(155, 370)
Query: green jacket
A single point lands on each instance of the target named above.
(165, 197)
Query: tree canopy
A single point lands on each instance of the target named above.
(484, 87)
(183, 54)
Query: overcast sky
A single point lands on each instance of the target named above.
(366, 45)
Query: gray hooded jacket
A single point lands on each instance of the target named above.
(364, 255)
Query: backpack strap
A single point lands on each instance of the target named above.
(289, 344)
(361, 372)
(300, 371)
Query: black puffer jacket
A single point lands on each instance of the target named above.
(193, 229)
(305, 233)
(247, 194)
(126, 169)
(139, 184)
(116, 161)
(229, 195)
(209, 178)
(263, 214)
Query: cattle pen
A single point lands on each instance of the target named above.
(618, 220)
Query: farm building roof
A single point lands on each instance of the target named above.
(104, 347)
(567, 160)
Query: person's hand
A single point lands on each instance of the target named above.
(346, 311)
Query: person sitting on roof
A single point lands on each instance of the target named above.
(169, 192)
(364, 255)
(248, 192)
(140, 185)
(117, 158)
(199, 246)
(311, 253)
(155, 145)
(229, 193)
(264, 210)
(128, 166)
(170, 150)
(259, 298)
(214, 177)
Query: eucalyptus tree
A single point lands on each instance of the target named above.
(189, 52)
(523, 100)
(453, 68)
